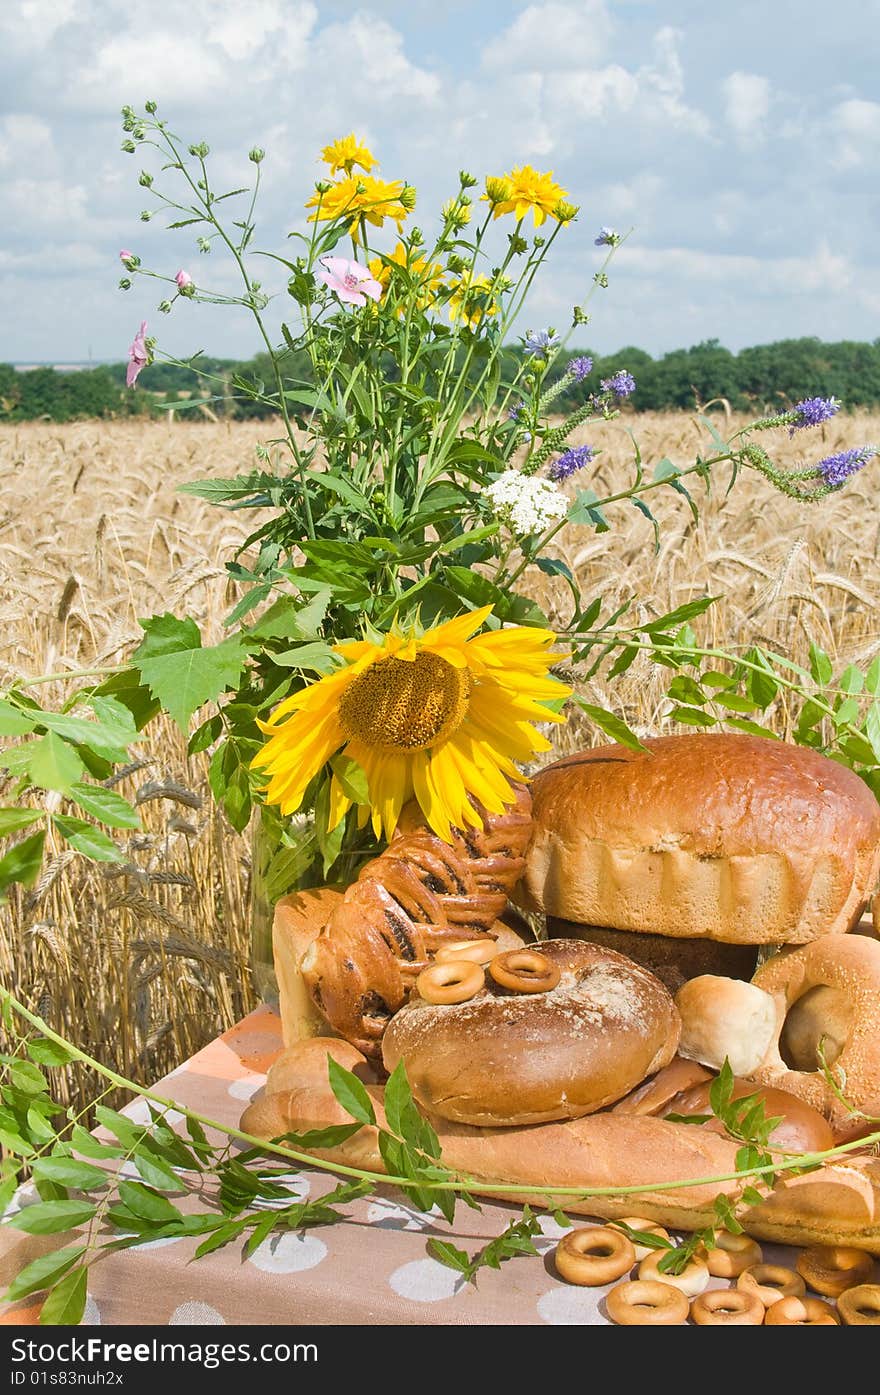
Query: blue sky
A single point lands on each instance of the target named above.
(741, 142)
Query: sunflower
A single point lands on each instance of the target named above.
(528, 190)
(438, 716)
(362, 196)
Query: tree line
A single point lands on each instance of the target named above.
(758, 379)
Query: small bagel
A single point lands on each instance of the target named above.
(647, 1303)
(477, 951)
(456, 981)
(524, 971)
(771, 1282)
(728, 1307)
(647, 1228)
(731, 1254)
(691, 1281)
(801, 1312)
(848, 966)
(832, 1269)
(594, 1255)
(860, 1306)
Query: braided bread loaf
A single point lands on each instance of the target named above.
(418, 895)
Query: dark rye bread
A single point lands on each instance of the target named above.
(722, 836)
(507, 1058)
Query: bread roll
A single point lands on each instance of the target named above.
(800, 1129)
(298, 920)
(654, 1094)
(838, 1203)
(719, 836)
(507, 1058)
(672, 961)
(725, 1019)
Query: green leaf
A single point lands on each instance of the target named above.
(721, 1090)
(14, 722)
(872, 677)
(330, 1137)
(692, 717)
(53, 764)
(351, 777)
(49, 1053)
(316, 657)
(27, 1077)
(68, 1172)
(86, 1143)
(821, 667)
(205, 735)
(42, 1272)
(105, 805)
(611, 724)
(13, 820)
(221, 1236)
(180, 673)
(87, 839)
(155, 1172)
(584, 510)
(108, 738)
(23, 861)
(126, 1130)
(66, 1302)
(872, 728)
(50, 1217)
(449, 1254)
(144, 1202)
(350, 1093)
(679, 616)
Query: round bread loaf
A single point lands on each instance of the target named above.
(507, 1058)
(720, 836)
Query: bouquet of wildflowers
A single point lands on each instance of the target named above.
(385, 646)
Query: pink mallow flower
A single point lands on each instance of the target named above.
(125, 255)
(183, 280)
(138, 356)
(351, 281)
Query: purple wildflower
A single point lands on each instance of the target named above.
(834, 469)
(621, 383)
(539, 343)
(574, 459)
(812, 411)
(514, 411)
(580, 367)
(607, 238)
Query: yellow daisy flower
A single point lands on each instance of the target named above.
(469, 301)
(529, 190)
(345, 153)
(437, 717)
(428, 275)
(360, 196)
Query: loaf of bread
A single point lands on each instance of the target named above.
(722, 836)
(681, 1166)
(506, 1058)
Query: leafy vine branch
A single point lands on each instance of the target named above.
(85, 1181)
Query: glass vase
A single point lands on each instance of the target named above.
(282, 861)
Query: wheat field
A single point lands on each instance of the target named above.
(144, 961)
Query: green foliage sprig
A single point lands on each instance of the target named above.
(118, 1189)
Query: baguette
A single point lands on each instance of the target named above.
(838, 1204)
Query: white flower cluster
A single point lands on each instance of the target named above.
(528, 503)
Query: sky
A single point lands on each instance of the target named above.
(739, 141)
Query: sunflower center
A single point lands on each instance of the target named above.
(403, 704)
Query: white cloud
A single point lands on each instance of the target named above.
(824, 269)
(31, 24)
(857, 123)
(664, 78)
(156, 64)
(26, 141)
(551, 38)
(41, 204)
(369, 56)
(746, 104)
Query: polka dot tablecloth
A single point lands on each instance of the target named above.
(372, 1268)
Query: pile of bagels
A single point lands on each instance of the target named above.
(698, 902)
